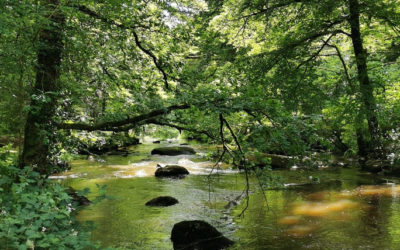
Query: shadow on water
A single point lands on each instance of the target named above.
(345, 210)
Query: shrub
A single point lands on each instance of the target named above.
(36, 213)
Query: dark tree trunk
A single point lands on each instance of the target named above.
(39, 129)
(366, 88)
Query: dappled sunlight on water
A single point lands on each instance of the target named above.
(141, 164)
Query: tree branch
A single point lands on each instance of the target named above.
(132, 28)
(272, 8)
(116, 125)
(339, 54)
(155, 122)
(242, 161)
(316, 54)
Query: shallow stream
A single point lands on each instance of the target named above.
(347, 209)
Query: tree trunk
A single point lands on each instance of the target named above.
(366, 88)
(39, 128)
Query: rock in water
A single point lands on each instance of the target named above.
(277, 161)
(173, 151)
(80, 199)
(198, 235)
(174, 171)
(162, 201)
(374, 166)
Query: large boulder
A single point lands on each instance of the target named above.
(178, 150)
(276, 161)
(198, 235)
(173, 171)
(162, 201)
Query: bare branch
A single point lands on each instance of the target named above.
(316, 54)
(339, 54)
(242, 161)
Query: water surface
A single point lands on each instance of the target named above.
(347, 209)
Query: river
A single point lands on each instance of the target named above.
(347, 209)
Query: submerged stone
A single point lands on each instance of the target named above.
(179, 150)
(162, 201)
(320, 209)
(199, 235)
(80, 199)
(300, 230)
(121, 152)
(323, 185)
(289, 220)
(171, 171)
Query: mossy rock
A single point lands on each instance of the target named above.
(179, 150)
(173, 171)
(277, 161)
(199, 235)
(162, 201)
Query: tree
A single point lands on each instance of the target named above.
(288, 41)
(74, 70)
(39, 128)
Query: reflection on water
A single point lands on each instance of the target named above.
(320, 209)
(357, 215)
(347, 210)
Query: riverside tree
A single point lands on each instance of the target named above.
(291, 43)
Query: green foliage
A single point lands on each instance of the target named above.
(277, 75)
(161, 132)
(36, 213)
(268, 179)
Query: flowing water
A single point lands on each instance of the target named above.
(347, 209)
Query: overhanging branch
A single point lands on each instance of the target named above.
(179, 127)
(115, 125)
